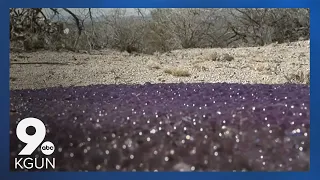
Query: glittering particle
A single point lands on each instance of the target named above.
(172, 152)
(181, 166)
(270, 131)
(188, 137)
(153, 131)
(193, 151)
(155, 152)
(235, 128)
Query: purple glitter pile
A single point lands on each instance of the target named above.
(170, 127)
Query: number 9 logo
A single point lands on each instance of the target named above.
(32, 141)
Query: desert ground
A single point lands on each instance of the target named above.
(203, 126)
(268, 64)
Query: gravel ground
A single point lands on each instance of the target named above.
(266, 65)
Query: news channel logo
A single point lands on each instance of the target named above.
(32, 143)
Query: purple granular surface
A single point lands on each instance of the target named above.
(170, 127)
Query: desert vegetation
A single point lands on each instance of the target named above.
(164, 37)
(156, 30)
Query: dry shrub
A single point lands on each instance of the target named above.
(200, 68)
(177, 72)
(153, 65)
(212, 56)
(216, 57)
(163, 30)
(226, 57)
(300, 78)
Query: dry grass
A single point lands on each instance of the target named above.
(177, 72)
(261, 67)
(300, 78)
(13, 78)
(153, 65)
(218, 57)
(226, 57)
(212, 57)
(199, 61)
(200, 68)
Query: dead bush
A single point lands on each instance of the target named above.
(200, 68)
(300, 78)
(158, 30)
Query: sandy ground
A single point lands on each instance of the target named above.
(267, 65)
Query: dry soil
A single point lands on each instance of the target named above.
(266, 65)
